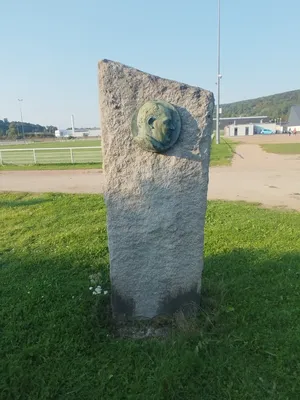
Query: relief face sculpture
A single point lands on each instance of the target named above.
(156, 126)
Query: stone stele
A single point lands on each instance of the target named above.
(156, 202)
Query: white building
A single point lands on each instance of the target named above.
(76, 133)
(256, 119)
(248, 129)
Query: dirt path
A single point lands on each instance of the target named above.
(255, 176)
(266, 139)
(66, 181)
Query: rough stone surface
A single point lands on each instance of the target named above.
(156, 203)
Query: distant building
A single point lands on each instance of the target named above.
(241, 120)
(294, 118)
(77, 133)
(249, 129)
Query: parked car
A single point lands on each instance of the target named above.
(266, 132)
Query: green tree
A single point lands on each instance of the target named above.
(12, 131)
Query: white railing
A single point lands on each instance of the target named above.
(51, 155)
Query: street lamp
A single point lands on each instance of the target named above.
(219, 76)
(20, 103)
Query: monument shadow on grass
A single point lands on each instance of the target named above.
(241, 288)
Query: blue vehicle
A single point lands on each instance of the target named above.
(266, 132)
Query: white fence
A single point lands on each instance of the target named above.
(55, 155)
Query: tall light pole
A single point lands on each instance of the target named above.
(20, 103)
(219, 76)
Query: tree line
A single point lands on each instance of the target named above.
(275, 107)
(14, 129)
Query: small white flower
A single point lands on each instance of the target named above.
(105, 292)
(98, 290)
(91, 288)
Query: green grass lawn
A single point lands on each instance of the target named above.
(56, 336)
(54, 144)
(221, 154)
(50, 167)
(61, 155)
(283, 148)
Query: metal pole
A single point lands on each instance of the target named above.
(20, 102)
(73, 125)
(218, 76)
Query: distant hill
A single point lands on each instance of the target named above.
(275, 106)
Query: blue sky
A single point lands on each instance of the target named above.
(50, 50)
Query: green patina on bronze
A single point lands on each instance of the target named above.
(156, 126)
